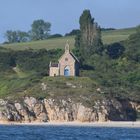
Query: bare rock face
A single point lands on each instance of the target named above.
(30, 109)
(8, 112)
(36, 108)
(101, 111)
(136, 106)
(85, 114)
(61, 112)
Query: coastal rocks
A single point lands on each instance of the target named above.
(102, 111)
(30, 109)
(85, 114)
(8, 112)
(59, 112)
(136, 106)
(36, 108)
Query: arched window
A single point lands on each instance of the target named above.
(67, 71)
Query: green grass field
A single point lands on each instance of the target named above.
(47, 44)
(117, 35)
(107, 37)
(12, 86)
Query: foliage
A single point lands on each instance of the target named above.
(88, 41)
(16, 36)
(115, 72)
(55, 36)
(11, 36)
(40, 30)
(73, 32)
(107, 29)
(28, 60)
(37, 61)
(6, 59)
(108, 37)
(22, 36)
(117, 69)
(133, 46)
(115, 50)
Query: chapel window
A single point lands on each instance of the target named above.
(66, 59)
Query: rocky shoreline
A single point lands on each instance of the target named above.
(30, 110)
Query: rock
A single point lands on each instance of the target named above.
(69, 84)
(30, 109)
(57, 113)
(43, 86)
(2, 102)
(30, 101)
(84, 114)
(36, 108)
(98, 89)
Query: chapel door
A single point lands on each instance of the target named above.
(67, 71)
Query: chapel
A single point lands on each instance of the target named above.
(68, 64)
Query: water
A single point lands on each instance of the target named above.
(67, 133)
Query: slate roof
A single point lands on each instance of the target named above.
(74, 57)
(54, 65)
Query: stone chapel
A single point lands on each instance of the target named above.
(68, 64)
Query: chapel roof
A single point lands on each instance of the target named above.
(53, 64)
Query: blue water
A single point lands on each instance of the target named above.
(67, 133)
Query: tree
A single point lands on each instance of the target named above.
(88, 41)
(11, 36)
(16, 36)
(40, 30)
(22, 36)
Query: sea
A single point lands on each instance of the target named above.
(51, 132)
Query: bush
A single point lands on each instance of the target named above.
(73, 32)
(55, 36)
(115, 50)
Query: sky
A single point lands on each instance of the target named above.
(64, 14)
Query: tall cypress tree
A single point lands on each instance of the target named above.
(88, 41)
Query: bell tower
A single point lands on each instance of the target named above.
(67, 48)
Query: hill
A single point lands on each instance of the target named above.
(107, 37)
(25, 73)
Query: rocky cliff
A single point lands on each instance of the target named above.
(30, 109)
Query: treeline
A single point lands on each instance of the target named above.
(77, 31)
(40, 30)
(28, 60)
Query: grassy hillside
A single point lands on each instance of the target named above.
(58, 87)
(107, 36)
(47, 44)
(22, 72)
(117, 35)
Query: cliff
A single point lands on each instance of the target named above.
(30, 109)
